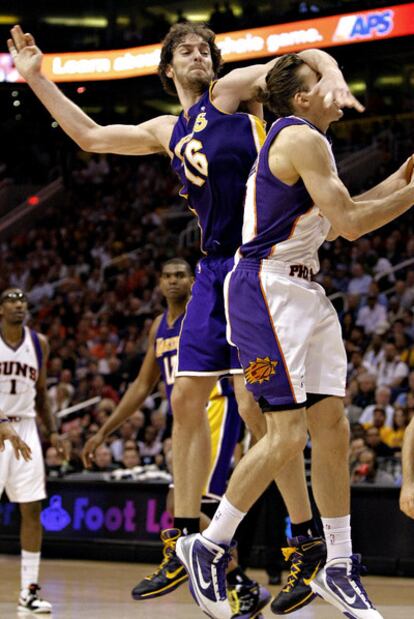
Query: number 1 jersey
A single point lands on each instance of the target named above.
(213, 153)
(19, 371)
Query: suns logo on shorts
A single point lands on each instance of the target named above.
(260, 370)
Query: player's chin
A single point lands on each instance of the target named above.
(200, 81)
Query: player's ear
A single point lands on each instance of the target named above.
(302, 99)
(169, 71)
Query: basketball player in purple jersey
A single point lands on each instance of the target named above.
(289, 336)
(212, 147)
(407, 490)
(224, 422)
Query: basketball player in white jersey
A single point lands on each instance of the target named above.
(23, 358)
(407, 490)
(289, 337)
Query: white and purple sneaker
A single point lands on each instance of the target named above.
(339, 584)
(206, 565)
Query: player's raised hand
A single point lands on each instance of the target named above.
(26, 56)
(8, 433)
(91, 445)
(407, 500)
(334, 90)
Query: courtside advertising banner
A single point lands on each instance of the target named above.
(364, 26)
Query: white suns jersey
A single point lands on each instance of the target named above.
(19, 371)
(281, 222)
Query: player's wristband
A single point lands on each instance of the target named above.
(5, 420)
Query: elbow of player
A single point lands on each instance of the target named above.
(350, 229)
(88, 142)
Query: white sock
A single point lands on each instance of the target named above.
(29, 569)
(338, 537)
(225, 521)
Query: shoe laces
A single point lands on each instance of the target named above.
(219, 574)
(356, 570)
(242, 598)
(168, 551)
(296, 558)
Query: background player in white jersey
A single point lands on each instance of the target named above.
(407, 490)
(23, 359)
(224, 422)
(289, 336)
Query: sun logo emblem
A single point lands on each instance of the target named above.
(260, 370)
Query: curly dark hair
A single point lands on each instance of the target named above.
(282, 83)
(174, 37)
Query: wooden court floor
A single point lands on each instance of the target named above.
(101, 590)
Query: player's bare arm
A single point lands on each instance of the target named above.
(397, 180)
(302, 152)
(42, 403)
(152, 136)
(134, 397)
(243, 84)
(407, 490)
(8, 433)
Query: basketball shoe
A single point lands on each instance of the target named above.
(307, 555)
(29, 601)
(168, 576)
(206, 564)
(339, 584)
(248, 599)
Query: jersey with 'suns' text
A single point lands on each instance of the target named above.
(213, 153)
(281, 221)
(19, 371)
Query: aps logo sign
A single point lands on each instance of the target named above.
(363, 26)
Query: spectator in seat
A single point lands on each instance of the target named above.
(391, 370)
(131, 458)
(367, 471)
(127, 432)
(371, 315)
(366, 390)
(395, 437)
(374, 442)
(382, 399)
(360, 280)
(103, 460)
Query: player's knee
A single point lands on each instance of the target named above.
(291, 439)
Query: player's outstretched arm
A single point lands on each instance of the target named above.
(133, 398)
(308, 154)
(407, 490)
(243, 84)
(8, 433)
(152, 136)
(397, 180)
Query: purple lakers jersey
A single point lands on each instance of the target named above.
(280, 220)
(166, 346)
(213, 153)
